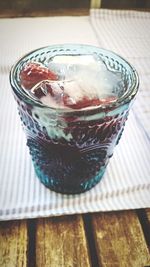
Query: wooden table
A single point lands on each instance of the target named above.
(113, 239)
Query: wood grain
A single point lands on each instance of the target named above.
(34, 8)
(24, 8)
(12, 13)
(61, 242)
(13, 244)
(119, 240)
(43, 5)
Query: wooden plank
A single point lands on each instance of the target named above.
(13, 244)
(96, 3)
(61, 242)
(124, 4)
(11, 13)
(119, 240)
(31, 8)
(43, 5)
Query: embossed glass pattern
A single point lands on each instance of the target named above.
(70, 149)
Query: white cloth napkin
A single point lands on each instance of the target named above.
(126, 183)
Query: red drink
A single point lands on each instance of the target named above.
(73, 104)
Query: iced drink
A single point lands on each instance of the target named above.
(73, 101)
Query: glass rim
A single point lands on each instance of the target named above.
(124, 99)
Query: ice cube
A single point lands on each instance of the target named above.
(92, 83)
(82, 80)
(67, 66)
(74, 59)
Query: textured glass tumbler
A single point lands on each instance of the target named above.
(70, 149)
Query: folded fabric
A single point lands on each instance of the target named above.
(126, 183)
(128, 34)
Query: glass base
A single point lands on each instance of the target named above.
(63, 188)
